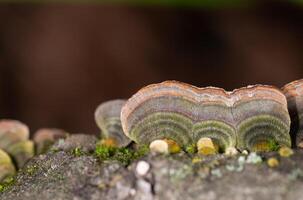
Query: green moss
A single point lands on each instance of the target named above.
(104, 152)
(31, 170)
(192, 148)
(273, 145)
(7, 183)
(77, 152)
(124, 155)
(54, 150)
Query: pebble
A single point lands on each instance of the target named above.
(132, 192)
(241, 160)
(253, 158)
(216, 172)
(295, 174)
(142, 168)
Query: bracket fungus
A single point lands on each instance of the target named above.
(14, 139)
(261, 118)
(7, 167)
(46, 137)
(107, 117)
(294, 94)
(247, 118)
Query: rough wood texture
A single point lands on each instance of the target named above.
(63, 176)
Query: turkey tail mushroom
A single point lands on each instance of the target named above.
(179, 112)
(261, 117)
(107, 117)
(7, 167)
(214, 121)
(45, 138)
(254, 118)
(21, 152)
(14, 139)
(294, 94)
(12, 131)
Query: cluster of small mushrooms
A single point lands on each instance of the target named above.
(172, 116)
(16, 148)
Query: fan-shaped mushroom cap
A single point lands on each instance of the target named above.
(7, 168)
(184, 113)
(261, 118)
(178, 111)
(14, 137)
(21, 152)
(107, 117)
(294, 94)
(11, 132)
(46, 137)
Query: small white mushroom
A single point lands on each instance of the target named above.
(159, 146)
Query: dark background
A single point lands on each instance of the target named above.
(58, 62)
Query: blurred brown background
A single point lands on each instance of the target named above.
(58, 62)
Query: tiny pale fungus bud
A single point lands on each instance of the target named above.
(21, 152)
(285, 151)
(231, 151)
(159, 146)
(206, 146)
(272, 162)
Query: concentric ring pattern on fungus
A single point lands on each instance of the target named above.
(294, 94)
(250, 118)
(107, 117)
